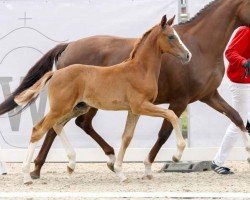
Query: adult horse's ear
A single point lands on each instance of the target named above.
(163, 21)
(171, 21)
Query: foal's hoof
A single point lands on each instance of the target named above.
(69, 170)
(111, 166)
(35, 175)
(28, 182)
(147, 177)
(248, 160)
(175, 159)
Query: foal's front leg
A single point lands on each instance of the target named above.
(127, 136)
(147, 108)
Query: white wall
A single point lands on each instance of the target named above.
(54, 21)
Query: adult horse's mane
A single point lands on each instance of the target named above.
(204, 10)
(139, 43)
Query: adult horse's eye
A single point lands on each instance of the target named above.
(171, 37)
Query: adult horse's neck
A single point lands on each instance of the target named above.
(213, 27)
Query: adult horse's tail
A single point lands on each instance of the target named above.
(44, 65)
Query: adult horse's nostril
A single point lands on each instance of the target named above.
(188, 56)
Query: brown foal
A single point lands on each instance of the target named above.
(131, 85)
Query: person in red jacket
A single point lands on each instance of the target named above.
(238, 55)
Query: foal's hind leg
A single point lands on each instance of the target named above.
(126, 138)
(37, 133)
(71, 154)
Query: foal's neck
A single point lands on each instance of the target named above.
(148, 56)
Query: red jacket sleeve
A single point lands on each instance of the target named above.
(238, 45)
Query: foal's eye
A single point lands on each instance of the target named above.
(171, 37)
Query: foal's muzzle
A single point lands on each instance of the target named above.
(186, 57)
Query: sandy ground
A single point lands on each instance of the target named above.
(96, 177)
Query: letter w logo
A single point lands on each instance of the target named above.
(37, 112)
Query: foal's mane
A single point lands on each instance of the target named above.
(139, 43)
(203, 11)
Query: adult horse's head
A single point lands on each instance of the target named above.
(243, 13)
(170, 42)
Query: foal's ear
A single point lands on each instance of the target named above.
(171, 21)
(163, 21)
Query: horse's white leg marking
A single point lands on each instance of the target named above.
(148, 171)
(26, 163)
(126, 138)
(111, 160)
(183, 45)
(3, 169)
(71, 154)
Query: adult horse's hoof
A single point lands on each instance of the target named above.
(69, 170)
(175, 159)
(111, 166)
(248, 160)
(111, 162)
(35, 174)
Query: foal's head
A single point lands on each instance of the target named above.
(170, 42)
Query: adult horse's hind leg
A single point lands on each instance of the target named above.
(128, 133)
(85, 123)
(37, 133)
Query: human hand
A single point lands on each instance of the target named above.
(246, 65)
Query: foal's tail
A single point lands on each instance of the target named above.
(44, 65)
(32, 92)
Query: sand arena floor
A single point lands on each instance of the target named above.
(96, 177)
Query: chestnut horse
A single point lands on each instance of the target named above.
(131, 85)
(206, 35)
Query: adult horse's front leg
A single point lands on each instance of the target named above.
(218, 103)
(85, 123)
(127, 136)
(150, 109)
